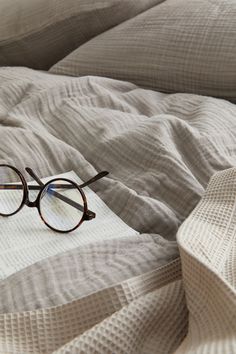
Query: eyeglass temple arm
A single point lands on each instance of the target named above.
(34, 176)
(94, 179)
(90, 215)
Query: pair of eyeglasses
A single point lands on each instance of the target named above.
(61, 203)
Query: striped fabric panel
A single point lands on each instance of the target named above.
(177, 46)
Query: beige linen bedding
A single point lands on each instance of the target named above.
(38, 33)
(127, 295)
(177, 46)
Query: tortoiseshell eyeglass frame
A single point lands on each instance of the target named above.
(41, 187)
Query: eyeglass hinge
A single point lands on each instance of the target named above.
(89, 215)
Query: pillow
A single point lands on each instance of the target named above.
(177, 46)
(38, 33)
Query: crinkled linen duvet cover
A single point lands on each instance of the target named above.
(169, 288)
(125, 295)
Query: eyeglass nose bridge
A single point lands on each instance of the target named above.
(32, 204)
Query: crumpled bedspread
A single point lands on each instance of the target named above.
(161, 151)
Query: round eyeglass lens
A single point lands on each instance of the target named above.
(11, 191)
(61, 205)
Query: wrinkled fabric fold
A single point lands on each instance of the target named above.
(161, 151)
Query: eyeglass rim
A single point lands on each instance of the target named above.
(25, 189)
(37, 201)
(84, 201)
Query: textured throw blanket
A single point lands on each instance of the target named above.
(127, 295)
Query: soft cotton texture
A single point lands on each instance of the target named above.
(38, 33)
(148, 313)
(178, 46)
(161, 151)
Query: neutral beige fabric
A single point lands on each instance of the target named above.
(161, 151)
(63, 323)
(177, 46)
(82, 271)
(155, 322)
(156, 312)
(38, 33)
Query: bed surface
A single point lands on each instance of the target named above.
(161, 151)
